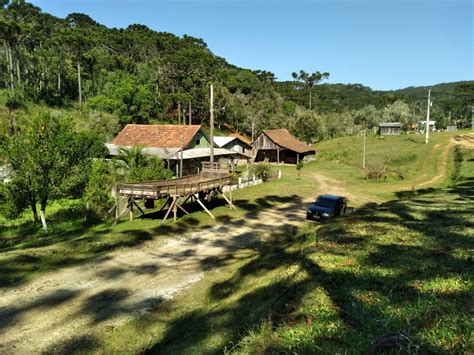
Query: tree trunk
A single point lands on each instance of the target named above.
(11, 123)
(35, 211)
(179, 112)
(18, 74)
(310, 99)
(42, 215)
(79, 86)
(10, 65)
(190, 113)
(253, 130)
(59, 81)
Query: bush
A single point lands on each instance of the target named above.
(97, 195)
(261, 171)
(153, 170)
(376, 169)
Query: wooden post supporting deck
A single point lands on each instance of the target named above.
(204, 207)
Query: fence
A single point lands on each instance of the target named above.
(247, 181)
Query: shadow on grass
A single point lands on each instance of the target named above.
(352, 283)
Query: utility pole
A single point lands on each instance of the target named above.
(212, 123)
(181, 158)
(427, 133)
(365, 140)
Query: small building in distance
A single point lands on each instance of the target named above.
(236, 143)
(431, 125)
(390, 128)
(278, 145)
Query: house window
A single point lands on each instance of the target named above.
(198, 139)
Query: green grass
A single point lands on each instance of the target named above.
(405, 265)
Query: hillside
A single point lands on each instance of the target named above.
(115, 76)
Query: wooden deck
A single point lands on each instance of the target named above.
(174, 187)
(213, 177)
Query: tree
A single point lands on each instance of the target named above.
(137, 166)
(398, 111)
(43, 157)
(14, 102)
(368, 117)
(97, 194)
(308, 126)
(309, 80)
(79, 41)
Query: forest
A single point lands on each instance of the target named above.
(107, 77)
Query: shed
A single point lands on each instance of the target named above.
(390, 128)
(278, 145)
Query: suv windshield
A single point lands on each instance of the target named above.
(325, 203)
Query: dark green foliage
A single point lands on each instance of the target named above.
(142, 76)
(261, 171)
(97, 194)
(133, 165)
(154, 169)
(48, 160)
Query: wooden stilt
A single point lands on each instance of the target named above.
(168, 200)
(169, 209)
(121, 213)
(204, 207)
(181, 208)
(131, 202)
(139, 208)
(175, 210)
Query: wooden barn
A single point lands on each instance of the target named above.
(278, 145)
(390, 128)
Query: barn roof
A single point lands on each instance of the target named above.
(284, 139)
(157, 136)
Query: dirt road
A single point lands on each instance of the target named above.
(75, 302)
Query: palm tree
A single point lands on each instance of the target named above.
(310, 80)
(132, 158)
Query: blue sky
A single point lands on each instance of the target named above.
(384, 44)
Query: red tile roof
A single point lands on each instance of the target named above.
(284, 139)
(158, 136)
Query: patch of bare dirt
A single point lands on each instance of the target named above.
(465, 140)
(441, 168)
(77, 302)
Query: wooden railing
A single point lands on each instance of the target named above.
(158, 189)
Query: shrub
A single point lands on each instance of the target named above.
(261, 171)
(376, 168)
(97, 195)
(154, 169)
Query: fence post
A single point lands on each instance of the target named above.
(239, 182)
(253, 178)
(279, 174)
